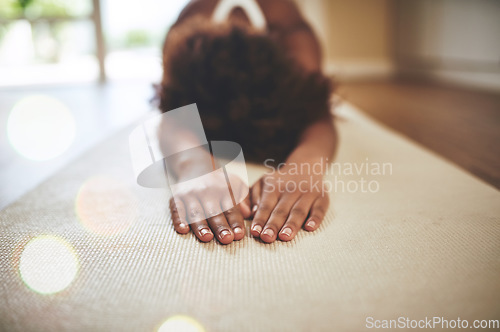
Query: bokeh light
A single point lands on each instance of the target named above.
(40, 127)
(181, 323)
(106, 206)
(48, 264)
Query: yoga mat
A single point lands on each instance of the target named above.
(423, 241)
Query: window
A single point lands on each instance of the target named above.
(60, 41)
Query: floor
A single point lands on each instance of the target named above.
(461, 125)
(98, 112)
(87, 253)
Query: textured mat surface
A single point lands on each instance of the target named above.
(427, 243)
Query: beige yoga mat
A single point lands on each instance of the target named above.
(422, 240)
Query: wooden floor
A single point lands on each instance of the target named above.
(461, 125)
(98, 110)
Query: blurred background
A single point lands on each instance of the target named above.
(429, 69)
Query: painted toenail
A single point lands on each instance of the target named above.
(238, 230)
(311, 223)
(182, 225)
(257, 228)
(254, 209)
(269, 232)
(204, 231)
(224, 233)
(287, 231)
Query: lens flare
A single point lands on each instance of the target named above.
(48, 264)
(181, 323)
(40, 127)
(106, 206)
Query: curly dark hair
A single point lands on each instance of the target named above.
(246, 88)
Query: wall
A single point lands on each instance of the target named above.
(355, 34)
(456, 41)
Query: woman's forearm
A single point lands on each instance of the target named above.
(187, 156)
(318, 144)
(191, 164)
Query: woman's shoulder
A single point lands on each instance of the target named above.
(281, 13)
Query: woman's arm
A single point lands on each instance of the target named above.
(294, 196)
(318, 143)
(201, 200)
(286, 200)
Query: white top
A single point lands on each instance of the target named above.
(251, 7)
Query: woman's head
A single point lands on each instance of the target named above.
(246, 88)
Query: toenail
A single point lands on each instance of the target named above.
(311, 223)
(204, 231)
(257, 228)
(238, 230)
(254, 209)
(224, 233)
(287, 231)
(269, 232)
(182, 225)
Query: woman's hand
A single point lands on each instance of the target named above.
(205, 206)
(284, 202)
